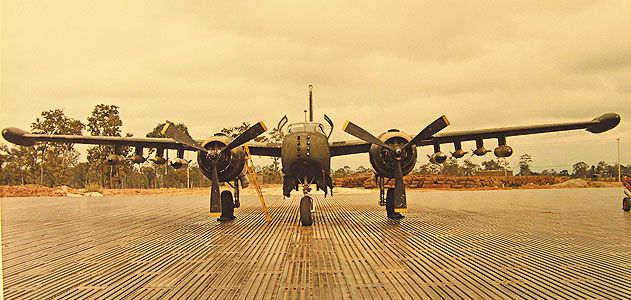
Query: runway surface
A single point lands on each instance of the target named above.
(482, 244)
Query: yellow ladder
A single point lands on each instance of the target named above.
(252, 173)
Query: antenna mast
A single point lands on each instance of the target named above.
(310, 103)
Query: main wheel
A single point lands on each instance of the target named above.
(626, 204)
(227, 206)
(306, 219)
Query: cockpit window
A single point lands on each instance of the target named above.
(310, 127)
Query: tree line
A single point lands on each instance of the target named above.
(55, 164)
(453, 167)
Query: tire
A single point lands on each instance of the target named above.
(227, 206)
(306, 219)
(626, 204)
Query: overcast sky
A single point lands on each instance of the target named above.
(215, 64)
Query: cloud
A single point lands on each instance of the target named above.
(213, 65)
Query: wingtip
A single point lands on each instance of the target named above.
(605, 122)
(16, 136)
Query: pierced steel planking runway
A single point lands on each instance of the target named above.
(483, 244)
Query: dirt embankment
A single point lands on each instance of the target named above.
(350, 185)
(474, 182)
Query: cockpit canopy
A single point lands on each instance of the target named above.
(309, 127)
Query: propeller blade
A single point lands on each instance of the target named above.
(364, 135)
(170, 131)
(215, 201)
(400, 202)
(427, 132)
(246, 136)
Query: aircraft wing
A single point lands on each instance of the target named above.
(265, 149)
(24, 138)
(349, 147)
(597, 125)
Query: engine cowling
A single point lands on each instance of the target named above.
(115, 159)
(231, 165)
(178, 163)
(503, 151)
(438, 158)
(382, 160)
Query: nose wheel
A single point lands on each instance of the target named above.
(306, 217)
(626, 204)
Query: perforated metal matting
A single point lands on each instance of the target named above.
(483, 244)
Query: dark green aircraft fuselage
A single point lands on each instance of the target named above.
(306, 157)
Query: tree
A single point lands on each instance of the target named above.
(469, 168)
(104, 121)
(56, 158)
(491, 165)
(342, 172)
(450, 167)
(580, 170)
(525, 161)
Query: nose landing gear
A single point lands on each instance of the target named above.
(306, 205)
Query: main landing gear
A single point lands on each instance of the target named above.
(392, 215)
(227, 207)
(229, 203)
(387, 199)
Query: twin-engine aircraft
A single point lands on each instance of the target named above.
(306, 153)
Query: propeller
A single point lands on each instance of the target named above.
(214, 155)
(437, 125)
(249, 134)
(364, 135)
(169, 130)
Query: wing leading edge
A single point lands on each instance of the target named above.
(597, 125)
(24, 138)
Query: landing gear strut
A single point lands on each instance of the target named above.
(388, 201)
(306, 204)
(390, 206)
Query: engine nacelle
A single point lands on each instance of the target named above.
(231, 165)
(137, 159)
(115, 159)
(158, 160)
(480, 151)
(438, 158)
(178, 163)
(458, 153)
(503, 151)
(382, 160)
